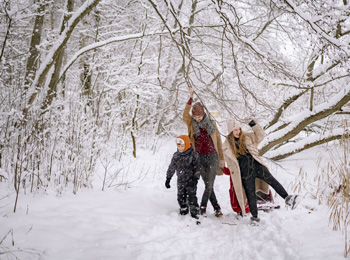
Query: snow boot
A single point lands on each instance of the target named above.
(254, 221)
(184, 211)
(292, 201)
(217, 210)
(196, 217)
(203, 211)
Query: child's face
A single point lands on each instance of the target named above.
(180, 147)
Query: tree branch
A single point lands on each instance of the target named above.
(300, 146)
(283, 107)
(333, 41)
(299, 122)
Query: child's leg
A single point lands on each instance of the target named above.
(192, 200)
(181, 199)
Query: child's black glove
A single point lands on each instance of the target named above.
(167, 183)
(252, 123)
(192, 182)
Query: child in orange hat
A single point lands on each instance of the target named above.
(185, 163)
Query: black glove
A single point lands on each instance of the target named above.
(167, 183)
(252, 123)
(192, 182)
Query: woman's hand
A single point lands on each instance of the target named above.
(252, 123)
(222, 164)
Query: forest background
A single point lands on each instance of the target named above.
(89, 82)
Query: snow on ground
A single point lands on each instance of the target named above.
(141, 221)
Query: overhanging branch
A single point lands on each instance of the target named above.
(280, 156)
(306, 118)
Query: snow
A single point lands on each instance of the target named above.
(141, 221)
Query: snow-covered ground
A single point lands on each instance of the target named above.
(141, 221)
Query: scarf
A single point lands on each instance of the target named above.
(205, 123)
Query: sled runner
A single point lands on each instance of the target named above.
(265, 201)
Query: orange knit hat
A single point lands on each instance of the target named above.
(187, 141)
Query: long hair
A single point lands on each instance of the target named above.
(242, 148)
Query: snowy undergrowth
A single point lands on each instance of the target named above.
(140, 220)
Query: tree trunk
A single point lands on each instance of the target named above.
(52, 57)
(34, 54)
(52, 91)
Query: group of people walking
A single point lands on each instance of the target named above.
(201, 153)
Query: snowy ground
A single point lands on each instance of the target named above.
(142, 222)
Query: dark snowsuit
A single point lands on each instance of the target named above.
(186, 166)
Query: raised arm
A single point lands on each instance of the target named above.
(259, 132)
(186, 114)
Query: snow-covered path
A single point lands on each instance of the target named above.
(142, 222)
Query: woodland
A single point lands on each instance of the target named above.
(83, 82)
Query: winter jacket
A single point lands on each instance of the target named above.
(215, 136)
(252, 141)
(186, 165)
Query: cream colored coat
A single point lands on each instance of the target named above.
(215, 136)
(252, 141)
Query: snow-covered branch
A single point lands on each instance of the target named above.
(297, 123)
(344, 46)
(305, 143)
(264, 56)
(284, 106)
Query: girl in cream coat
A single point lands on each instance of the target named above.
(248, 172)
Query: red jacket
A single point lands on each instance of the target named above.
(233, 199)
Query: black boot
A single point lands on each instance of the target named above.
(217, 210)
(184, 211)
(203, 211)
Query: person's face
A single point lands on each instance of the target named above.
(180, 147)
(198, 118)
(236, 132)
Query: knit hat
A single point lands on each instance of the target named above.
(232, 125)
(184, 139)
(198, 109)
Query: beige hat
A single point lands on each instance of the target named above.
(232, 125)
